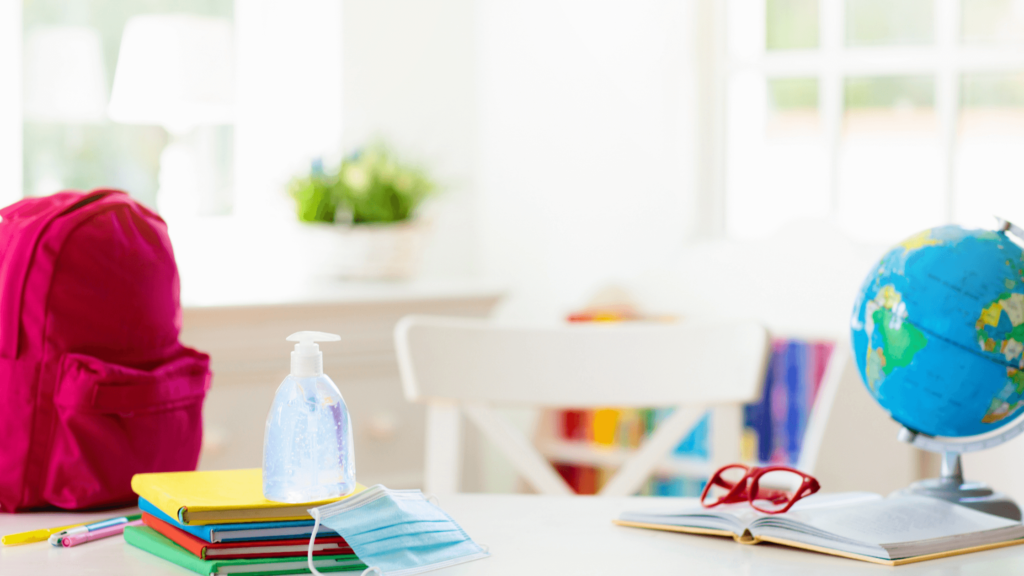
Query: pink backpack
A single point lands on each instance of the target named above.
(94, 385)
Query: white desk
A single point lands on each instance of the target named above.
(529, 535)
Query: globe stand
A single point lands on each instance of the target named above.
(950, 485)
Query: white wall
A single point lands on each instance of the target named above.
(288, 79)
(411, 79)
(563, 133)
(800, 283)
(289, 97)
(587, 144)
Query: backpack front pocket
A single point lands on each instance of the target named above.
(114, 421)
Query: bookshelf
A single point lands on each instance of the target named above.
(587, 446)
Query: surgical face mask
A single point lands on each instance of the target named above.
(396, 532)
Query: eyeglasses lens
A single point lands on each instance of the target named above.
(723, 484)
(775, 489)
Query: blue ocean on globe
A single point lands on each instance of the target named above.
(938, 331)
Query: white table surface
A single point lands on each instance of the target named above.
(527, 535)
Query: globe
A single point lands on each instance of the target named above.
(938, 331)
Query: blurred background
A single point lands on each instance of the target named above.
(576, 143)
(742, 158)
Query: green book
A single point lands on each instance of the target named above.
(153, 542)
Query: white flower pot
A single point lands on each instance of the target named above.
(369, 251)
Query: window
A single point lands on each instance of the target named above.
(61, 125)
(70, 55)
(887, 116)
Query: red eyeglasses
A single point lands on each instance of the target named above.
(743, 483)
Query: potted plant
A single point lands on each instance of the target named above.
(369, 208)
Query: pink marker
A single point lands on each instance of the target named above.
(76, 539)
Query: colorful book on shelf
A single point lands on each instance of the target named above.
(324, 546)
(775, 425)
(218, 497)
(574, 424)
(241, 532)
(796, 411)
(695, 444)
(779, 404)
(605, 422)
(145, 538)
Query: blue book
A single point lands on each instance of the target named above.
(696, 442)
(778, 403)
(796, 393)
(214, 533)
(758, 417)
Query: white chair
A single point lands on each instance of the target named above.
(455, 364)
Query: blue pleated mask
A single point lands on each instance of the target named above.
(396, 532)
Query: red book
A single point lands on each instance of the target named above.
(250, 549)
(573, 425)
(570, 473)
(587, 480)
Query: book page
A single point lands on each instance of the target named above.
(891, 521)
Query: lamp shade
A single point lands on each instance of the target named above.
(174, 70)
(65, 80)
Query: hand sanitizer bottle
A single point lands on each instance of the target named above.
(307, 448)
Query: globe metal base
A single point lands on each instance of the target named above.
(952, 488)
(974, 495)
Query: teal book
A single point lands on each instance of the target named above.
(242, 532)
(153, 542)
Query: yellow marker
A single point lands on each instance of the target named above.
(40, 535)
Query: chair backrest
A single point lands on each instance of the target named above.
(461, 365)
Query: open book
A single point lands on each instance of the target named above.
(858, 525)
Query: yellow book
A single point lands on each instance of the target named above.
(219, 497)
(605, 421)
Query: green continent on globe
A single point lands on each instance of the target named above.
(895, 342)
(1009, 344)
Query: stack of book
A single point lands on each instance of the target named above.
(217, 522)
(774, 426)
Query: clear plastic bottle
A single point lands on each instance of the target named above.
(307, 448)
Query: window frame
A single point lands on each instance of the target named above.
(269, 61)
(946, 60)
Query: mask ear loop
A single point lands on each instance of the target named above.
(309, 552)
(312, 538)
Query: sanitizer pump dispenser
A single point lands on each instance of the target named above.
(307, 448)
